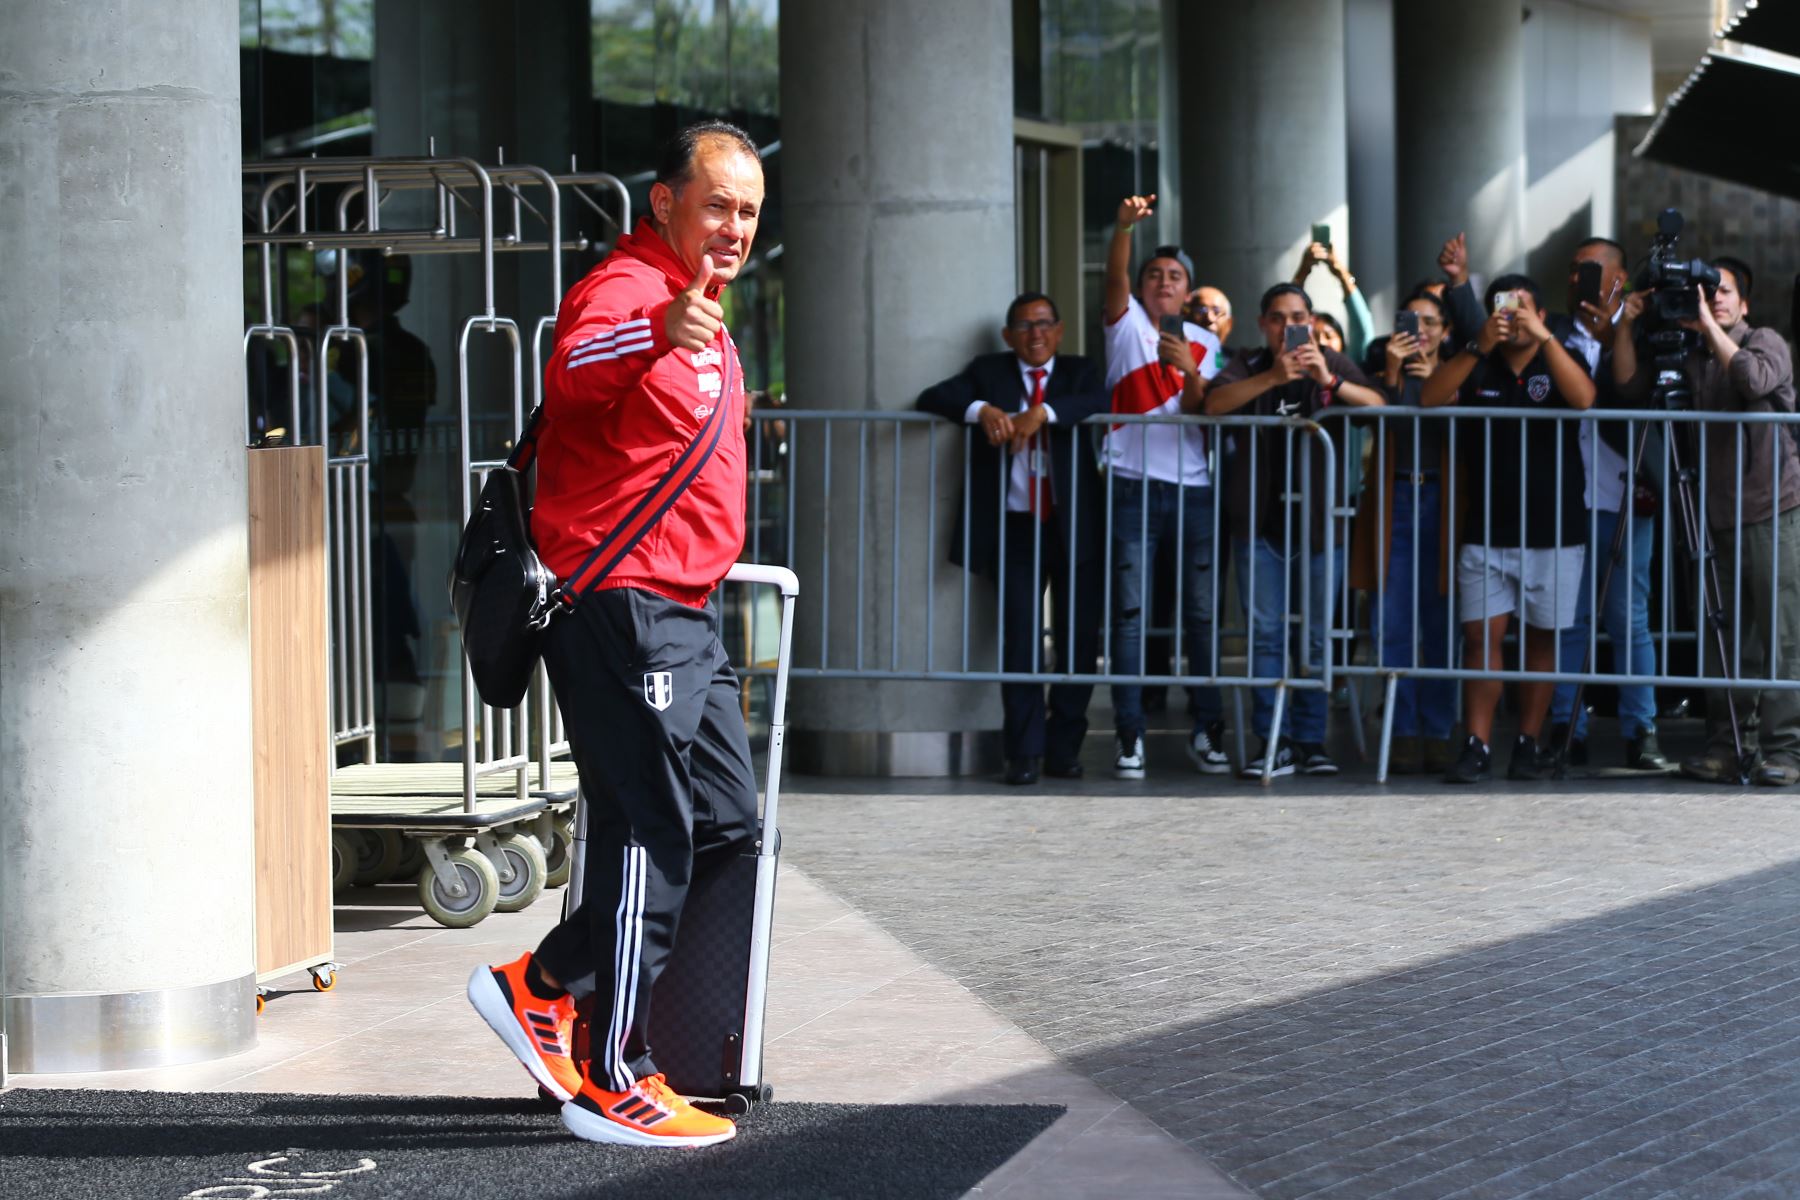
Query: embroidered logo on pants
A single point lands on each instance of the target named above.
(659, 689)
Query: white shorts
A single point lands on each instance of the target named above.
(1542, 585)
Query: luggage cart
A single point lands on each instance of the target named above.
(397, 818)
(707, 1023)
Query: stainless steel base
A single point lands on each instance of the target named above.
(878, 754)
(118, 1031)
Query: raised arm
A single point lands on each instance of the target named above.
(1132, 209)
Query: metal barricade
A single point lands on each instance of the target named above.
(884, 473)
(1460, 440)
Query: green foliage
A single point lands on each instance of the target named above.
(712, 55)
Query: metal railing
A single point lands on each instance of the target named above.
(867, 505)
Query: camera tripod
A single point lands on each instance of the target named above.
(1671, 395)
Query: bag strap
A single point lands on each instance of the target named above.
(628, 533)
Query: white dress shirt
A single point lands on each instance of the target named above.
(1603, 466)
(1018, 487)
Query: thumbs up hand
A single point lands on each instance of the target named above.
(692, 320)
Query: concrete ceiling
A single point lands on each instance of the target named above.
(1680, 32)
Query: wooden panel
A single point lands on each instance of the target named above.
(289, 707)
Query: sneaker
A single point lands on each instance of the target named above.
(1474, 765)
(1530, 762)
(1206, 750)
(647, 1113)
(1314, 760)
(1128, 756)
(539, 1032)
(1578, 748)
(1284, 762)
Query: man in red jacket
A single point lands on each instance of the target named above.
(642, 359)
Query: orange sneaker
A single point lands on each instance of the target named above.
(538, 1031)
(649, 1114)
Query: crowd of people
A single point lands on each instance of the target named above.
(1505, 521)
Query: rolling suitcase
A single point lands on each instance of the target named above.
(706, 1025)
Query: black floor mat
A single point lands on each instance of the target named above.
(56, 1144)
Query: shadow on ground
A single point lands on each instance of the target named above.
(1651, 1051)
(83, 1143)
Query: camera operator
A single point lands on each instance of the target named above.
(1740, 369)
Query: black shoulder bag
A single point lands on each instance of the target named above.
(504, 596)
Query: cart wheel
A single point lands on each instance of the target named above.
(480, 884)
(260, 1001)
(382, 850)
(345, 847)
(324, 978)
(412, 861)
(561, 857)
(525, 872)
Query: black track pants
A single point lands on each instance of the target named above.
(652, 710)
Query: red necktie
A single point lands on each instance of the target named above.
(1041, 503)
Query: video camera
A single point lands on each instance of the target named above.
(1668, 279)
(1668, 282)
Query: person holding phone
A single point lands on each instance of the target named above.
(1396, 550)
(1353, 341)
(1290, 375)
(1161, 481)
(1597, 278)
(1523, 537)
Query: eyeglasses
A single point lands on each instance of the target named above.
(1029, 326)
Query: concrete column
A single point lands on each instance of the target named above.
(1263, 151)
(1460, 102)
(126, 861)
(1369, 112)
(897, 178)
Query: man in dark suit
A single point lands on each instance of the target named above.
(1027, 403)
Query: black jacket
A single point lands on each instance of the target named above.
(1076, 390)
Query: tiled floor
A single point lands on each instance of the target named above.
(853, 1016)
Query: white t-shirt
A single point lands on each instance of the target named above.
(1141, 384)
(1603, 466)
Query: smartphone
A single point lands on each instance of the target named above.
(1295, 336)
(1506, 301)
(1172, 323)
(1407, 321)
(1587, 283)
(1322, 234)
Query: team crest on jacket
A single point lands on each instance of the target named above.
(659, 689)
(1538, 387)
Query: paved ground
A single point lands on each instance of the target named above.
(1338, 989)
(1327, 988)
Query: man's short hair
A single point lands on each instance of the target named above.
(1740, 271)
(1174, 252)
(1513, 283)
(1025, 298)
(1283, 289)
(1618, 251)
(675, 162)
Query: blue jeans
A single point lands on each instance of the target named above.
(1422, 707)
(1273, 571)
(1144, 513)
(1626, 620)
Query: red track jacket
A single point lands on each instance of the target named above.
(620, 405)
